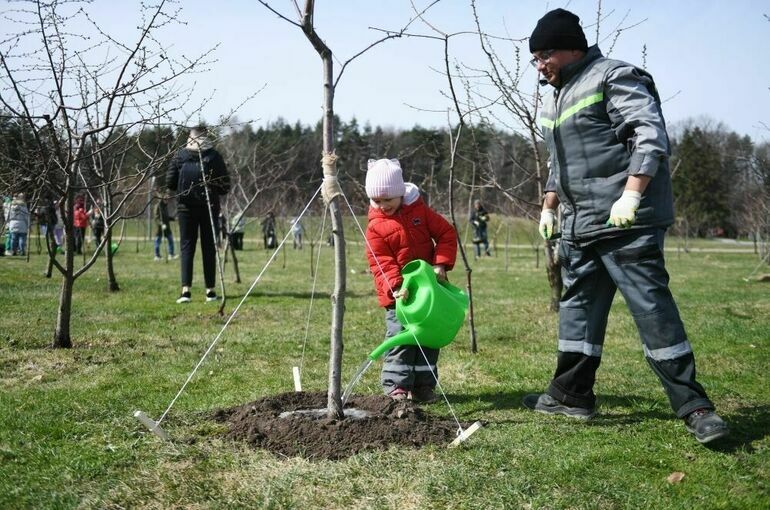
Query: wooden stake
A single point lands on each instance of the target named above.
(466, 433)
(150, 424)
(297, 381)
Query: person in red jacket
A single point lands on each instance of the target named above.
(402, 228)
(80, 222)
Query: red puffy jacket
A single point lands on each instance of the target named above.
(80, 219)
(413, 232)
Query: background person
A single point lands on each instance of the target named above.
(97, 221)
(479, 219)
(402, 228)
(296, 231)
(237, 230)
(193, 168)
(268, 231)
(17, 219)
(608, 146)
(163, 229)
(80, 223)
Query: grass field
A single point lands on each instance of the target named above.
(68, 438)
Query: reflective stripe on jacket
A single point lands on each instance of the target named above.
(602, 124)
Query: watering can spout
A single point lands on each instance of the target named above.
(431, 315)
(402, 338)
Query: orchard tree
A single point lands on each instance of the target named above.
(331, 189)
(81, 93)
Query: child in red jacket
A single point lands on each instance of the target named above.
(402, 228)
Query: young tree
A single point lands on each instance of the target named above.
(259, 164)
(331, 190)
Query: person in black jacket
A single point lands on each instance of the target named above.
(197, 175)
(479, 220)
(268, 231)
(163, 220)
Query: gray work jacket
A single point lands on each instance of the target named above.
(601, 125)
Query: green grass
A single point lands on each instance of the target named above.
(68, 438)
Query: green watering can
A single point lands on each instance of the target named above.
(432, 313)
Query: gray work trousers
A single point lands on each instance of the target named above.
(405, 366)
(632, 263)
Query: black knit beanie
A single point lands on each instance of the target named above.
(558, 30)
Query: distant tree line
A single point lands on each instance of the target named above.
(721, 179)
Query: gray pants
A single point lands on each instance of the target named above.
(634, 264)
(405, 366)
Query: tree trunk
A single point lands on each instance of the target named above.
(112, 280)
(50, 240)
(334, 395)
(461, 248)
(312, 249)
(334, 400)
(61, 337)
(229, 247)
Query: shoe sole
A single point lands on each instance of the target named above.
(562, 410)
(719, 434)
(565, 412)
(183, 300)
(210, 299)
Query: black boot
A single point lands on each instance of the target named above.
(706, 425)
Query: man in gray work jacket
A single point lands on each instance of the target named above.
(608, 146)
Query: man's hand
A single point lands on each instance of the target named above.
(440, 272)
(547, 223)
(164, 227)
(623, 212)
(402, 293)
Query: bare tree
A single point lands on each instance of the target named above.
(455, 135)
(259, 166)
(331, 189)
(523, 108)
(82, 95)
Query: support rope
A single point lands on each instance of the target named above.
(234, 312)
(425, 357)
(312, 292)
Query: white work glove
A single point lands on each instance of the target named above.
(547, 223)
(623, 212)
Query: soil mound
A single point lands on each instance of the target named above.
(386, 423)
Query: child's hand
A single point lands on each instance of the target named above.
(440, 273)
(401, 294)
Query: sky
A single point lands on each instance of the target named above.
(709, 58)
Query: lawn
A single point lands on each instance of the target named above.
(68, 438)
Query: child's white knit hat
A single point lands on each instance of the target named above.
(384, 179)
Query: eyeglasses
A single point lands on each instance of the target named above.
(544, 57)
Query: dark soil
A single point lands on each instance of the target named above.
(389, 423)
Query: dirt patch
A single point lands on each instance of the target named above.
(304, 434)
